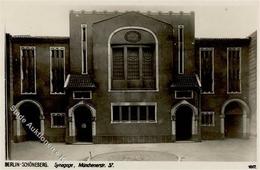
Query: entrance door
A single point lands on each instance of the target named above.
(83, 123)
(183, 123)
(233, 120)
(32, 115)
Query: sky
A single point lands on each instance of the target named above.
(226, 19)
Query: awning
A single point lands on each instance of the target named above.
(77, 81)
(185, 81)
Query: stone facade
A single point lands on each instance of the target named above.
(158, 95)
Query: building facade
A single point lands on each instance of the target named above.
(130, 78)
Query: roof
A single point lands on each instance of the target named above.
(34, 39)
(185, 81)
(133, 13)
(221, 41)
(79, 81)
(141, 12)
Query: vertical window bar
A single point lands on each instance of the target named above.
(120, 113)
(181, 49)
(84, 49)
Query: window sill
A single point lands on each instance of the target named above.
(132, 91)
(128, 122)
(57, 93)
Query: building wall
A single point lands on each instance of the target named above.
(165, 28)
(252, 82)
(214, 102)
(43, 96)
(105, 98)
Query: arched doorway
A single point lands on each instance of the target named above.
(83, 124)
(184, 123)
(235, 119)
(33, 114)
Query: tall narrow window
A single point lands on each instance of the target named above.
(118, 64)
(28, 69)
(181, 49)
(133, 70)
(148, 63)
(233, 68)
(207, 70)
(84, 48)
(57, 70)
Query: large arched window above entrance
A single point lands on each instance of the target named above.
(133, 60)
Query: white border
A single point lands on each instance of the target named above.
(213, 118)
(90, 94)
(109, 59)
(240, 51)
(213, 68)
(181, 71)
(51, 86)
(86, 47)
(175, 96)
(133, 104)
(21, 69)
(55, 126)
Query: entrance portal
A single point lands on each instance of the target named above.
(83, 124)
(233, 120)
(31, 113)
(184, 123)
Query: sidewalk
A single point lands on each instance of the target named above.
(210, 150)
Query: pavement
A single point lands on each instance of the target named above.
(207, 150)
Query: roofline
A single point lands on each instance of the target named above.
(220, 39)
(39, 37)
(136, 13)
(122, 12)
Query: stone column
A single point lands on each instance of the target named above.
(70, 126)
(18, 127)
(244, 125)
(173, 125)
(42, 124)
(222, 125)
(93, 126)
(195, 122)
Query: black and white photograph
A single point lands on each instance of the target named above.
(129, 84)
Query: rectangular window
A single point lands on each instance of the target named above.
(57, 70)
(57, 120)
(207, 70)
(82, 94)
(84, 49)
(181, 94)
(233, 70)
(133, 67)
(28, 69)
(134, 113)
(207, 119)
(181, 49)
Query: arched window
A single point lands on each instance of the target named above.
(133, 62)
